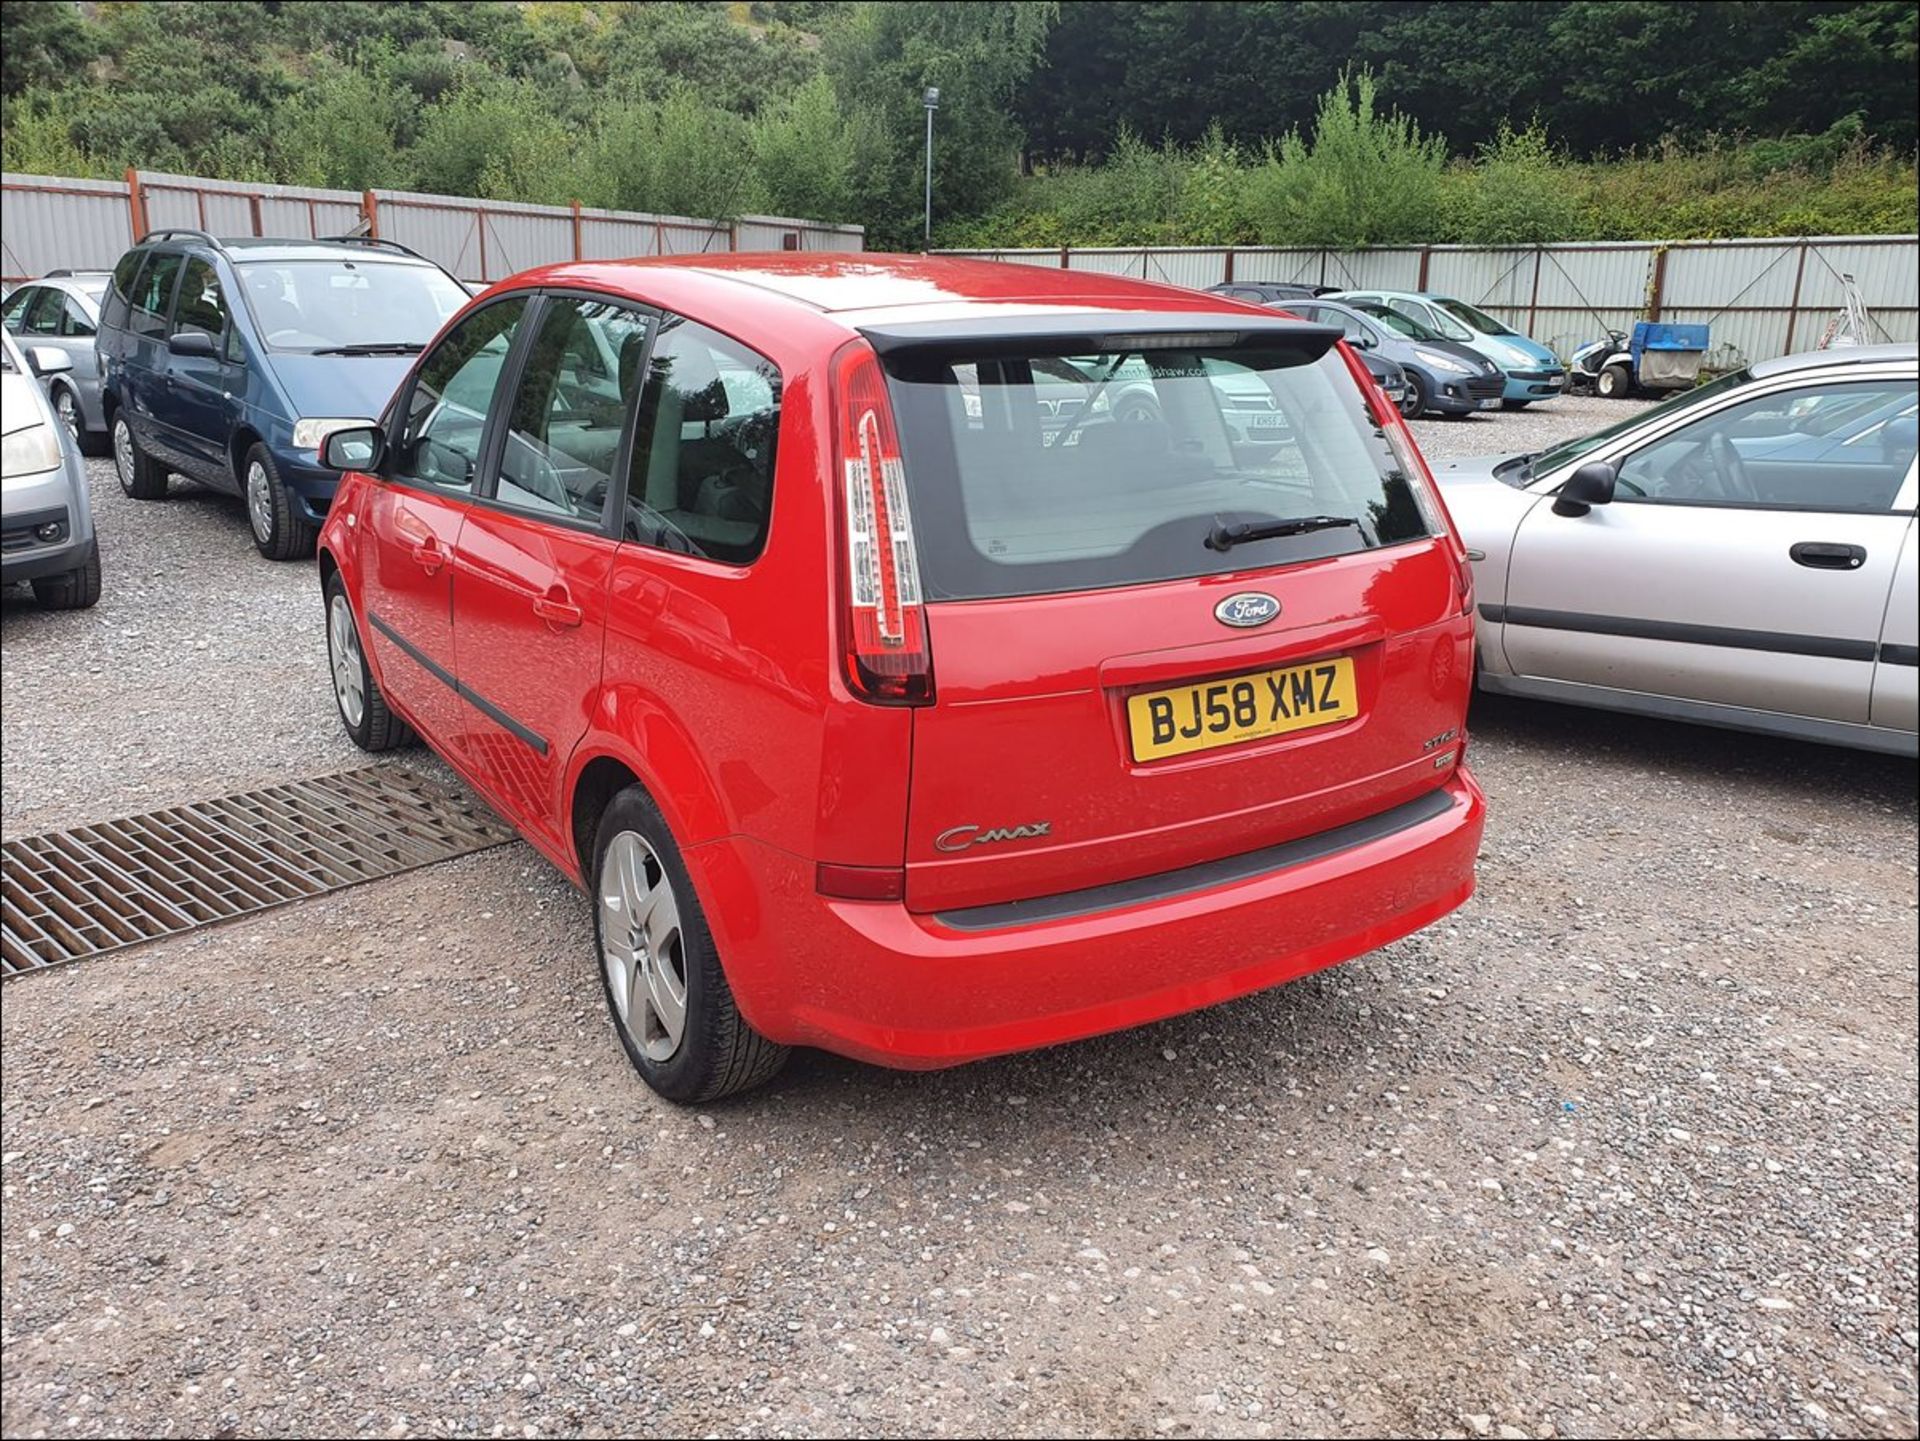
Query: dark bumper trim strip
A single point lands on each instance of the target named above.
(1188, 879)
(446, 677)
(1775, 642)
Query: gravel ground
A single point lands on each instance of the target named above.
(1625, 1147)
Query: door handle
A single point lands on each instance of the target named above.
(429, 554)
(1827, 555)
(556, 609)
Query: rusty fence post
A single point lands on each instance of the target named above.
(1793, 305)
(136, 205)
(578, 254)
(370, 210)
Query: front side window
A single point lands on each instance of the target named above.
(1403, 325)
(329, 306)
(154, 297)
(445, 416)
(14, 313)
(1837, 446)
(201, 308)
(702, 477)
(1120, 468)
(1474, 316)
(43, 316)
(579, 383)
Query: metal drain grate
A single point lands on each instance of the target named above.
(83, 892)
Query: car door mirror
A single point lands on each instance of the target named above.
(360, 448)
(1360, 340)
(48, 359)
(1592, 484)
(195, 343)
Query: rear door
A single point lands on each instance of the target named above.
(1120, 688)
(1711, 577)
(532, 561)
(145, 381)
(413, 520)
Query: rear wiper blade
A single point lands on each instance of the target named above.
(1226, 537)
(382, 347)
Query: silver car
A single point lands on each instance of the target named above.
(61, 310)
(1743, 555)
(46, 516)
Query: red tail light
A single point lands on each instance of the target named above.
(887, 657)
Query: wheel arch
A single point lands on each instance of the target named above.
(244, 439)
(649, 750)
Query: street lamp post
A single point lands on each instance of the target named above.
(932, 101)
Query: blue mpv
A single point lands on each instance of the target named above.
(230, 361)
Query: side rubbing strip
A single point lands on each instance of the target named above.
(446, 677)
(1774, 642)
(1900, 655)
(1204, 876)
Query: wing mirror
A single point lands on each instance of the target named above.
(48, 359)
(1592, 484)
(358, 449)
(1361, 341)
(193, 342)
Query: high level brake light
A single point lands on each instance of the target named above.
(887, 657)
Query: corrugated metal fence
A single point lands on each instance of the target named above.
(1762, 297)
(50, 222)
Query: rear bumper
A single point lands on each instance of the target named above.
(882, 984)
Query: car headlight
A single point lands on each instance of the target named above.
(312, 434)
(28, 451)
(1444, 362)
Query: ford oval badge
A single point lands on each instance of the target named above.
(1248, 608)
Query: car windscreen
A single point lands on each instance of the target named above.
(1404, 326)
(1038, 474)
(333, 303)
(1569, 451)
(1473, 316)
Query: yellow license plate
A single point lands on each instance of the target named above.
(1241, 708)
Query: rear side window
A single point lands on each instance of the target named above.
(120, 289)
(73, 320)
(1041, 474)
(702, 477)
(154, 296)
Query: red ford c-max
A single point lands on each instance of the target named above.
(914, 657)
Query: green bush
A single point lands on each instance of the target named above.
(1365, 178)
(1517, 192)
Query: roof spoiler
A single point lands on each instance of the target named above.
(1055, 333)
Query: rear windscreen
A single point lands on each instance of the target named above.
(1034, 474)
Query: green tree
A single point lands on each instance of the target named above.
(803, 156)
(1365, 178)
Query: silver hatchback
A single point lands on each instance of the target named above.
(61, 311)
(1743, 555)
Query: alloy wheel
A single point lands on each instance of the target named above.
(641, 946)
(343, 653)
(68, 410)
(123, 454)
(260, 502)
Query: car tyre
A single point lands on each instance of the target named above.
(67, 408)
(141, 476)
(364, 713)
(1413, 404)
(666, 990)
(1613, 383)
(76, 589)
(279, 530)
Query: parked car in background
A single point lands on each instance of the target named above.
(228, 361)
(1442, 376)
(1269, 292)
(880, 704)
(46, 515)
(61, 310)
(1743, 555)
(1386, 370)
(1533, 371)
